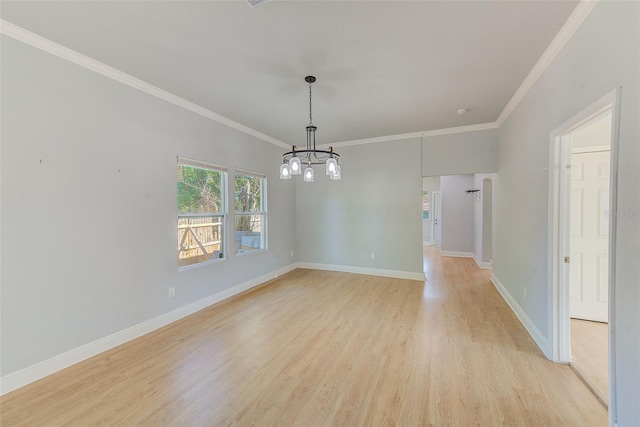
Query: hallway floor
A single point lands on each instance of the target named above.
(590, 355)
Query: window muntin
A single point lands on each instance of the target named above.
(201, 212)
(250, 212)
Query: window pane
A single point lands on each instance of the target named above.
(250, 218)
(201, 214)
(249, 233)
(199, 190)
(199, 238)
(248, 193)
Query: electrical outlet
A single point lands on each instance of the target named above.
(373, 255)
(172, 292)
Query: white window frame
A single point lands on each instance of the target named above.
(223, 215)
(263, 212)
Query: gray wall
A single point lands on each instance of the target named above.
(487, 220)
(602, 55)
(460, 153)
(457, 213)
(376, 207)
(89, 206)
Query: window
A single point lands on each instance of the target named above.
(426, 201)
(250, 212)
(201, 212)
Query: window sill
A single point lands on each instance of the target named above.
(201, 264)
(249, 253)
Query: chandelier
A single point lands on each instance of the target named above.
(292, 161)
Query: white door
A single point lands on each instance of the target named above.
(437, 211)
(589, 262)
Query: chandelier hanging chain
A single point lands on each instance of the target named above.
(310, 115)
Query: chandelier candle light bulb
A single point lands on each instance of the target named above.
(337, 174)
(292, 160)
(285, 171)
(330, 166)
(294, 164)
(308, 174)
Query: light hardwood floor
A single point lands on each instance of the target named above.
(589, 355)
(318, 348)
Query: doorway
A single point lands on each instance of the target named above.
(437, 218)
(589, 251)
(583, 189)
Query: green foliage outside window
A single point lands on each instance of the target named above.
(199, 190)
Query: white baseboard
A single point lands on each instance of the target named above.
(18, 379)
(535, 333)
(457, 254)
(362, 270)
(483, 265)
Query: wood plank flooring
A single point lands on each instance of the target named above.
(318, 348)
(590, 355)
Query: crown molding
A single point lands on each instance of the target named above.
(421, 134)
(460, 129)
(575, 20)
(46, 45)
(373, 140)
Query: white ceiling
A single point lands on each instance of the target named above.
(383, 67)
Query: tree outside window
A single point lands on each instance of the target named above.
(250, 212)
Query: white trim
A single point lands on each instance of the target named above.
(459, 129)
(560, 151)
(409, 275)
(372, 140)
(247, 172)
(32, 39)
(457, 254)
(535, 333)
(577, 17)
(594, 149)
(185, 161)
(421, 134)
(47, 367)
(613, 241)
(482, 265)
(559, 159)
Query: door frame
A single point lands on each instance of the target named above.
(559, 233)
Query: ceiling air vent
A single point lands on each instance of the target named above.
(254, 3)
